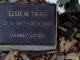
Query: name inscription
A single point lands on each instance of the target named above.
(27, 13)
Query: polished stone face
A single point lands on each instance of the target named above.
(29, 24)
